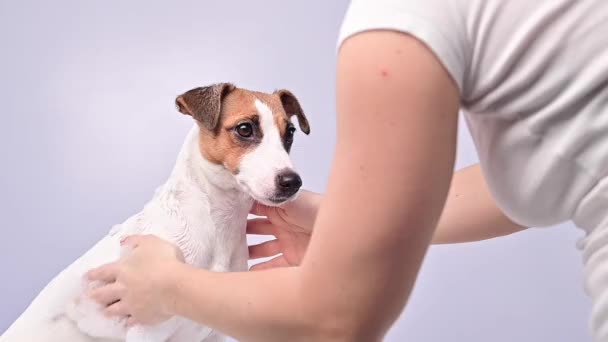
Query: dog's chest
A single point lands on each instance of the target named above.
(209, 230)
(218, 246)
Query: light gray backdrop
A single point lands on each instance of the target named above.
(89, 130)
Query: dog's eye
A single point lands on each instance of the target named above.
(245, 130)
(290, 132)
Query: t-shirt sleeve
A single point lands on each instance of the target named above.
(439, 24)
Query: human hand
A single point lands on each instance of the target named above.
(292, 226)
(139, 285)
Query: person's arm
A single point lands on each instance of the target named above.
(397, 118)
(470, 212)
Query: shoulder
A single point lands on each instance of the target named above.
(440, 25)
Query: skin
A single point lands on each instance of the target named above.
(471, 214)
(397, 120)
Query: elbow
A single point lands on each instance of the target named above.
(326, 325)
(330, 314)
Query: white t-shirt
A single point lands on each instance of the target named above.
(533, 78)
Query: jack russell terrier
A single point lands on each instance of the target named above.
(237, 152)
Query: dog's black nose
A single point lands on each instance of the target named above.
(288, 182)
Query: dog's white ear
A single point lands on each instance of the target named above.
(292, 107)
(204, 104)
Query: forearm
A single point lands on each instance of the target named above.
(250, 306)
(470, 212)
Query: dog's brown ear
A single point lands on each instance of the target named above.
(205, 103)
(292, 107)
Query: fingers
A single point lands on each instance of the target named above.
(264, 250)
(260, 226)
(106, 273)
(302, 211)
(271, 213)
(274, 263)
(116, 309)
(108, 294)
(259, 209)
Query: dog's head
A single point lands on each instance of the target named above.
(250, 134)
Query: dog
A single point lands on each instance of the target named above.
(236, 153)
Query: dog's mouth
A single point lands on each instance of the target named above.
(275, 200)
(278, 200)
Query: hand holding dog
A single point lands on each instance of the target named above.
(139, 284)
(291, 224)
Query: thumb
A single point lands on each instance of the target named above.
(303, 210)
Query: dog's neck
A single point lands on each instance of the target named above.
(211, 179)
(210, 200)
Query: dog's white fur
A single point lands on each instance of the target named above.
(202, 208)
